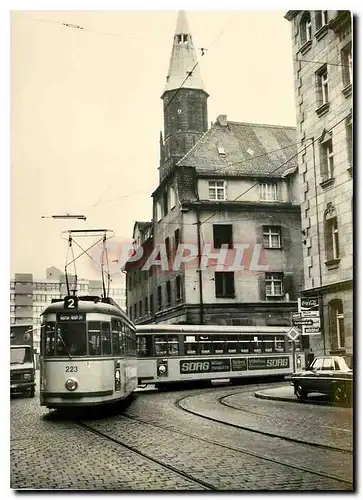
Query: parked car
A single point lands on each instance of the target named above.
(330, 375)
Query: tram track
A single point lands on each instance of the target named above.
(346, 483)
(263, 433)
(205, 485)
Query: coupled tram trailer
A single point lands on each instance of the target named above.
(88, 353)
(170, 354)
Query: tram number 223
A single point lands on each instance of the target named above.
(72, 369)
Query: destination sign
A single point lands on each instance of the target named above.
(268, 363)
(205, 365)
(71, 316)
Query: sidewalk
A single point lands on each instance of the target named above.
(286, 393)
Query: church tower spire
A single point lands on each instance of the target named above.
(185, 99)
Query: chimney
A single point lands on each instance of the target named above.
(222, 120)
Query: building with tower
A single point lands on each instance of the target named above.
(229, 192)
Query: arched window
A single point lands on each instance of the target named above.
(336, 322)
(305, 27)
(321, 18)
(331, 233)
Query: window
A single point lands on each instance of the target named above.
(349, 135)
(224, 284)
(146, 305)
(331, 234)
(158, 211)
(130, 281)
(268, 192)
(106, 339)
(176, 239)
(140, 308)
(217, 190)
(173, 345)
(48, 330)
(151, 302)
(165, 203)
(190, 345)
(318, 364)
(221, 151)
(322, 86)
(94, 338)
(12, 296)
(130, 312)
(218, 344)
(71, 339)
(305, 28)
(256, 344)
(12, 285)
(160, 344)
(274, 284)
(182, 38)
(172, 197)
(168, 292)
(328, 364)
(178, 290)
(167, 247)
(135, 311)
(321, 18)
(222, 235)
(116, 328)
(327, 159)
(271, 237)
(205, 344)
(347, 65)
(12, 309)
(160, 298)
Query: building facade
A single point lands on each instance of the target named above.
(322, 52)
(231, 193)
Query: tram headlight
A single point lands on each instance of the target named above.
(27, 376)
(162, 369)
(71, 385)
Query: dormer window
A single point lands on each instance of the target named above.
(221, 151)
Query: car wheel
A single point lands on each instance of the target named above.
(340, 395)
(300, 393)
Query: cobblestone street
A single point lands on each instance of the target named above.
(154, 444)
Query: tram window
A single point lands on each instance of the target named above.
(115, 328)
(244, 344)
(71, 339)
(106, 339)
(279, 343)
(160, 345)
(268, 344)
(256, 344)
(190, 345)
(94, 338)
(173, 345)
(205, 344)
(49, 339)
(232, 344)
(218, 344)
(144, 346)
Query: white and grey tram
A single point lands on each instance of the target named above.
(88, 353)
(185, 353)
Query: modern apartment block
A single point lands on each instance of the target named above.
(322, 54)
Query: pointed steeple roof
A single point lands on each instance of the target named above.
(183, 59)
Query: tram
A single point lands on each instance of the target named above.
(188, 353)
(88, 352)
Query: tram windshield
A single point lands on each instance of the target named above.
(71, 339)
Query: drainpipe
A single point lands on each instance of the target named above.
(201, 305)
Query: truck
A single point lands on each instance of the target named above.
(22, 366)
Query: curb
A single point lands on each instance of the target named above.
(261, 395)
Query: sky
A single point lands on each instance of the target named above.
(86, 112)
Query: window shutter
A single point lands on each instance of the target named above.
(262, 287)
(289, 286)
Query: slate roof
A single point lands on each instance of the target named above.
(249, 150)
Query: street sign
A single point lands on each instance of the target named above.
(293, 333)
(302, 321)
